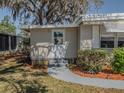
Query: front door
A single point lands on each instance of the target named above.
(59, 45)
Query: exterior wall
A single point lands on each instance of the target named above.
(121, 34)
(43, 47)
(40, 40)
(103, 31)
(71, 36)
(95, 36)
(90, 36)
(40, 36)
(85, 36)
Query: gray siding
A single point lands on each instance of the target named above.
(40, 36)
(85, 36)
(71, 37)
(41, 43)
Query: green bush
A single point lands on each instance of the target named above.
(92, 61)
(118, 62)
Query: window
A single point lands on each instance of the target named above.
(4, 43)
(120, 41)
(107, 42)
(58, 37)
(13, 42)
(1, 43)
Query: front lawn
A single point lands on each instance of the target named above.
(17, 78)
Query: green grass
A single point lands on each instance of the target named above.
(16, 78)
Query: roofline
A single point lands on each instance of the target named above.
(29, 27)
(79, 19)
(99, 17)
(9, 34)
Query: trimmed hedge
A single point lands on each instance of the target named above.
(118, 62)
(92, 61)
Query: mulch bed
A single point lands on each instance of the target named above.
(105, 74)
(44, 69)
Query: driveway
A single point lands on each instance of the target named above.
(58, 70)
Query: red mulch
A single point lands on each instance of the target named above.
(105, 74)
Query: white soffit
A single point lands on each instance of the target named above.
(49, 26)
(114, 26)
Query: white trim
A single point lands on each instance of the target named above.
(98, 17)
(48, 26)
(95, 37)
(114, 26)
(107, 35)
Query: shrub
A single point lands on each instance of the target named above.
(92, 61)
(118, 62)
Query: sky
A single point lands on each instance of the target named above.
(110, 6)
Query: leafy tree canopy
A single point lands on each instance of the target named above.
(6, 26)
(49, 11)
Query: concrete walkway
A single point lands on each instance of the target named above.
(59, 71)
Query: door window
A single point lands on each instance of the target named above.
(58, 37)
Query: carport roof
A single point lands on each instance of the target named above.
(99, 17)
(82, 18)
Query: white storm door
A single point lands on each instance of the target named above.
(58, 40)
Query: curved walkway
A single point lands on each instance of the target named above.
(59, 71)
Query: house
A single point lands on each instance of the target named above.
(88, 31)
(8, 42)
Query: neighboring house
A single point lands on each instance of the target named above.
(87, 32)
(8, 42)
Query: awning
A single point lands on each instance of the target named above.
(114, 26)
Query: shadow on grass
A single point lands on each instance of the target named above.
(25, 86)
(36, 74)
(12, 69)
(24, 60)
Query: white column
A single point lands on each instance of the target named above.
(85, 37)
(9, 43)
(95, 37)
(80, 38)
(115, 40)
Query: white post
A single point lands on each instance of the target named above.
(9, 43)
(95, 37)
(115, 40)
(85, 37)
